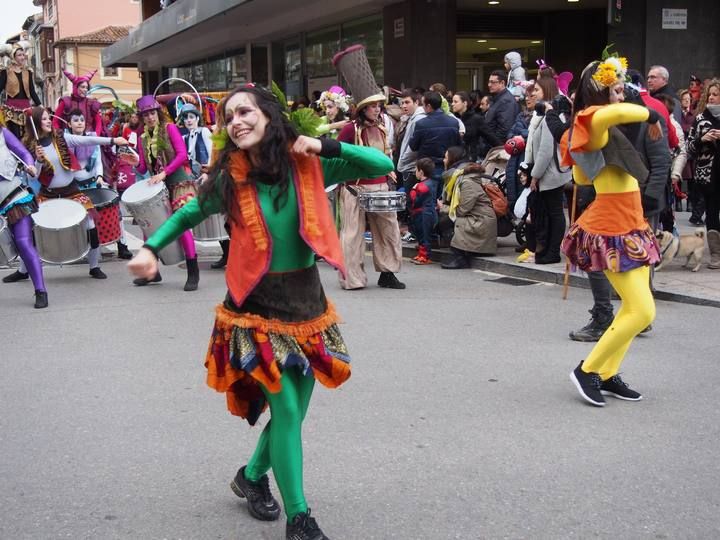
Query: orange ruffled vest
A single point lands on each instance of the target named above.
(251, 243)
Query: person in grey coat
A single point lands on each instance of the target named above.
(475, 231)
(548, 178)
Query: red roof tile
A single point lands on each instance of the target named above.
(104, 36)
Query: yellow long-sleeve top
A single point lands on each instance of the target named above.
(618, 207)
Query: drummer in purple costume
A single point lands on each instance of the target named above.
(57, 166)
(163, 154)
(16, 205)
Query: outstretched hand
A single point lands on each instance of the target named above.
(144, 264)
(307, 145)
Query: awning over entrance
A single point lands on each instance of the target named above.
(196, 28)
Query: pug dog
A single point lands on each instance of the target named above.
(691, 246)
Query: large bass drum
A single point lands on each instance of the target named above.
(8, 253)
(61, 231)
(149, 204)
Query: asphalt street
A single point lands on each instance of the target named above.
(459, 422)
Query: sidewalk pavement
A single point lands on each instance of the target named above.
(673, 283)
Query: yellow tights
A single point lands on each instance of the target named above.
(636, 312)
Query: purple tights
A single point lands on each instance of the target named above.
(22, 232)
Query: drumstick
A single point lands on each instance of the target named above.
(20, 161)
(61, 119)
(566, 278)
(32, 123)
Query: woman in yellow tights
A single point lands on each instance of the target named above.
(612, 235)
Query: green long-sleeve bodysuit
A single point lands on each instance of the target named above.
(280, 444)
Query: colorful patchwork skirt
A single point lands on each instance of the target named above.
(619, 253)
(285, 323)
(182, 187)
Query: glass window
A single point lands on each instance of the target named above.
(293, 70)
(216, 74)
(181, 72)
(320, 47)
(198, 75)
(368, 32)
(236, 68)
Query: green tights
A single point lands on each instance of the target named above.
(280, 443)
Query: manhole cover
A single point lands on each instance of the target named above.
(515, 282)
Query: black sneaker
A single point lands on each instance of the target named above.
(389, 281)
(304, 527)
(261, 504)
(618, 388)
(15, 277)
(594, 329)
(96, 273)
(588, 384)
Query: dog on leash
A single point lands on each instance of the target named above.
(691, 246)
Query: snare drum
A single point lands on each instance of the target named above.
(61, 231)
(107, 204)
(8, 253)
(212, 228)
(382, 201)
(149, 204)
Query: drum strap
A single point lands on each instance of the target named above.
(94, 238)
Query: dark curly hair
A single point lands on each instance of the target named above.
(275, 160)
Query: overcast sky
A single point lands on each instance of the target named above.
(14, 13)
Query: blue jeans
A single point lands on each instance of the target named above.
(423, 225)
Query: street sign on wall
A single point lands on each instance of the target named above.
(674, 19)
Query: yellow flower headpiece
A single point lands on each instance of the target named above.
(611, 70)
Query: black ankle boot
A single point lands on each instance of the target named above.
(304, 527)
(141, 281)
(41, 299)
(16, 276)
(193, 275)
(124, 252)
(222, 261)
(594, 329)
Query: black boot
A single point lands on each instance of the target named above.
(124, 252)
(222, 261)
(304, 527)
(41, 299)
(389, 281)
(16, 276)
(141, 281)
(193, 275)
(594, 329)
(456, 260)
